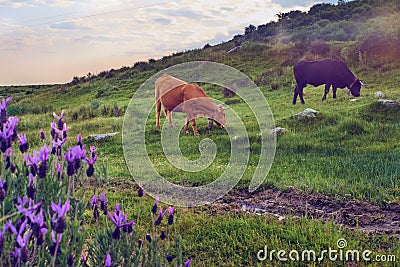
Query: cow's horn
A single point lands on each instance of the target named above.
(363, 84)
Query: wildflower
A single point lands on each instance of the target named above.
(70, 260)
(140, 243)
(6, 133)
(56, 240)
(32, 162)
(93, 202)
(59, 224)
(171, 215)
(154, 208)
(188, 263)
(103, 203)
(120, 221)
(148, 237)
(108, 260)
(3, 109)
(59, 170)
(59, 118)
(31, 190)
(39, 227)
(57, 146)
(163, 235)
(42, 135)
(23, 143)
(12, 124)
(170, 257)
(3, 189)
(84, 261)
(140, 191)
(90, 162)
(74, 156)
(44, 157)
(160, 217)
(29, 210)
(79, 140)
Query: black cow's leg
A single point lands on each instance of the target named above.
(327, 86)
(301, 96)
(334, 89)
(210, 124)
(295, 94)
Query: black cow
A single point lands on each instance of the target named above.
(327, 71)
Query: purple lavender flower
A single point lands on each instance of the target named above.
(3, 189)
(59, 224)
(31, 190)
(103, 203)
(39, 227)
(108, 260)
(84, 261)
(59, 118)
(170, 257)
(70, 260)
(44, 157)
(57, 146)
(93, 203)
(32, 161)
(140, 191)
(140, 243)
(6, 134)
(74, 156)
(171, 215)
(154, 208)
(188, 263)
(12, 124)
(119, 220)
(79, 140)
(27, 207)
(163, 235)
(148, 238)
(90, 162)
(3, 109)
(160, 217)
(56, 240)
(42, 135)
(23, 143)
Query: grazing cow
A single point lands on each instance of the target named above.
(179, 96)
(330, 72)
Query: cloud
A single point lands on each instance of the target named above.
(68, 25)
(162, 21)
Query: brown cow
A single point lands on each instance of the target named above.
(179, 96)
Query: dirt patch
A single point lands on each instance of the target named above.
(359, 215)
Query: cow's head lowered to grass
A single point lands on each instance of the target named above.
(219, 118)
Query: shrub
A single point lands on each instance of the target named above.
(43, 200)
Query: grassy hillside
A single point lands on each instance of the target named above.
(351, 150)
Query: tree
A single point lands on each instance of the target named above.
(251, 28)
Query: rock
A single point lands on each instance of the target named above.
(389, 103)
(278, 131)
(379, 94)
(102, 137)
(308, 112)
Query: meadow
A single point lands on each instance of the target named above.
(350, 151)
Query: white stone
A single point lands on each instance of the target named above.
(379, 94)
(308, 112)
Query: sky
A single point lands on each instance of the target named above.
(51, 41)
